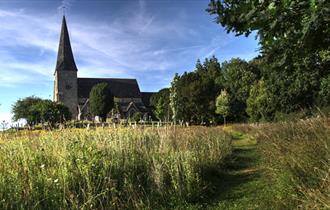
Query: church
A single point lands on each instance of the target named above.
(73, 92)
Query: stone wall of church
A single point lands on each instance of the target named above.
(66, 90)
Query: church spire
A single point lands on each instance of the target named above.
(65, 60)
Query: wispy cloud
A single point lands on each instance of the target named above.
(133, 46)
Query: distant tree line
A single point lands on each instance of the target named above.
(196, 96)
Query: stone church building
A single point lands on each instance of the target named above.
(74, 92)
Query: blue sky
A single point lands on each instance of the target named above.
(149, 40)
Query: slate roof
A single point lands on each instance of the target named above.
(121, 88)
(146, 97)
(65, 60)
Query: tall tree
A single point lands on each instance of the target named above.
(176, 99)
(161, 103)
(239, 76)
(222, 104)
(196, 92)
(101, 100)
(259, 103)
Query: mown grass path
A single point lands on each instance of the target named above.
(242, 185)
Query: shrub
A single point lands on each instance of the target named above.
(136, 117)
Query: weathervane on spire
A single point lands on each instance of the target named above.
(63, 10)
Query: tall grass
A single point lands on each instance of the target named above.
(297, 158)
(108, 168)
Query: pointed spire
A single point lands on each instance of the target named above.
(65, 60)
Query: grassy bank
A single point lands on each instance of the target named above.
(296, 159)
(109, 168)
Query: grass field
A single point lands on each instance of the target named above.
(269, 166)
(109, 168)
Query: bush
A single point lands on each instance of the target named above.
(136, 117)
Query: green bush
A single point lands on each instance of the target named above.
(136, 117)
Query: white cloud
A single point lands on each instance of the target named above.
(126, 46)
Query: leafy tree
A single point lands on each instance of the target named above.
(324, 93)
(239, 76)
(24, 109)
(52, 112)
(208, 84)
(193, 94)
(295, 44)
(222, 105)
(161, 102)
(175, 100)
(36, 110)
(259, 103)
(101, 100)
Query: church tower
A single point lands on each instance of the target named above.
(66, 83)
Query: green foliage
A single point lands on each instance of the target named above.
(222, 104)
(52, 112)
(259, 106)
(25, 109)
(175, 99)
(161, 103)
(193, 94)
(101, 100)
(110, 168)
(36, 110)
(324, 93)
(136, 117)
(294, 39)
(239, 76)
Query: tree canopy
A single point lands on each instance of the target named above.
(222, 105)
(295, 47)
(192, 95)
(36, 110)
(101, 100)
(161, 103)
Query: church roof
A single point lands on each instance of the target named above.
(121, 88)
(65, 60)
(146, 97)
